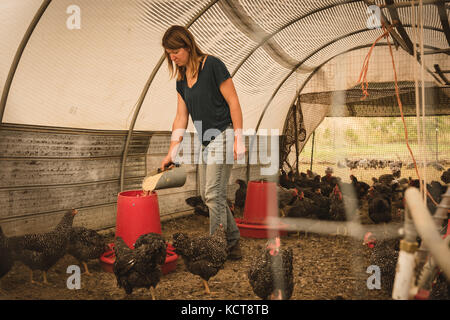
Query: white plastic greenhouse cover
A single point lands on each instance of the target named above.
(92, 76)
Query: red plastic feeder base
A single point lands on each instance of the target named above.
(261, 203)
(107, 259)
(260, 231)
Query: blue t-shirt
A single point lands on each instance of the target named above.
(204, 101)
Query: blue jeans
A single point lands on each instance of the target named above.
(214, 173)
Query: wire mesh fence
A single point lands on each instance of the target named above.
(370, 146)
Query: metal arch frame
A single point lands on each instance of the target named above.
(298, 66)
(297, 95)
(144, 93)
(270, 36)
(395, 17)
(12, 70)
(312, 54)
(444, 19)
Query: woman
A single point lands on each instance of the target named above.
(206, 92)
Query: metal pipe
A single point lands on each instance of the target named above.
(406, 260)
(427, 228)
(428, 274)
(312, 150)
(407, 4)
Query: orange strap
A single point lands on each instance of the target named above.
(364, 86)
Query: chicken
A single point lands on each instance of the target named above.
(388, 178)
(203, 256)
(445, 177)
(322, 204)
(384, 254)
(379, 205)
(6, 256)
(337, 208)
(85, 244)
(285, 182)
(139, 267)
(435, 190)
(240, 196)
(327, 185)
(286, 197)
(361, 187)
(201, 208)
(271, 273)
(301, 208)
(42, 251)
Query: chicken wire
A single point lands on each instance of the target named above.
(92, 77)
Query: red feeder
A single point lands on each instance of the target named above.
(260, 203)
(137, 215)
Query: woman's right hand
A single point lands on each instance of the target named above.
(166, 162)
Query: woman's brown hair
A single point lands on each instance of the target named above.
(177, 37)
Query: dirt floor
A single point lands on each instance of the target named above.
(325, 267)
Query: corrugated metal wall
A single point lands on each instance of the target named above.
(45, 171)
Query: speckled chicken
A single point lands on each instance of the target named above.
(42, 251)
(6, 256)
(384, 254)
(86, 244)
(271, 273)
(139, 267)
(203, 256)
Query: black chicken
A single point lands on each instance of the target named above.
(301, 208)
(388, 178)
(6, 256)
(286, 198)
(322, 204)
(271, 273)
(240, 196)
(445, 177)
(337, 208)
(361, 188)
(199, 206)
(379, 205)
(139, 267)
(42, 251)
(85, 244)
(203, 256)
(285, 182)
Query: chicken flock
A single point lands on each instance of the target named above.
(270, 273)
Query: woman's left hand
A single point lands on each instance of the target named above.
(239, 147)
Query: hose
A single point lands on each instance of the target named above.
(426, 228)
